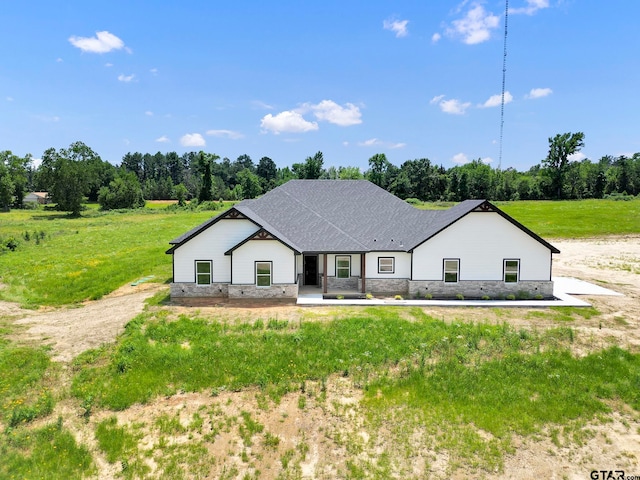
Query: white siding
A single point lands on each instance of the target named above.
(211, 245)
(481, 241)
(244, 258)
(402, 265)
(331, 263)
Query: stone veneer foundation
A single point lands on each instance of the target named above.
(479, 289)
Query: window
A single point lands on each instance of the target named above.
(343, 266)
(451, 270)
(511, 271)
(386, 264)
(263, 274)
(203, 272)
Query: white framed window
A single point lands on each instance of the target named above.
(386, 265)
(451, 270)
(343, 266)
(511, 270)
(204, 270)
(263, 274)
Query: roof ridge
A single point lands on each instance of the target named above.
(304, 205)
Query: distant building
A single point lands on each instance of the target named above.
(37, 197)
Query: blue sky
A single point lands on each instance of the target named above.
(286, 79)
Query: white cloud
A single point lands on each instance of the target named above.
(287, 121)
(453, 106)
(532, 7)
(435, 38)
(486, 160)
(261, 105)
(225, 133)
(399, 27)
(539, 93)
(475, 27)
(9, 99)
(496, 100)
(375, 142)
(192, 140)
(460, 159)
(126, 78)
(103, 42)
(108, 65)
(148, 113)
(59, 60)
(154, 71)
(576, 157)
(331, 112)
(163, 139)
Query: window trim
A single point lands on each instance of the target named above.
(445, 271)
(198, 274)
(510, 272)
(263, 275)
(393, 266)
(348, 258)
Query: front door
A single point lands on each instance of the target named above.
(311, 270)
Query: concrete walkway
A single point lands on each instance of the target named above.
(563, 288)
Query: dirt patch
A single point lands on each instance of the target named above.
(71, 331)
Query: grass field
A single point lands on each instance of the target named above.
(508, 381)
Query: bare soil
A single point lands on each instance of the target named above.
(327, 430)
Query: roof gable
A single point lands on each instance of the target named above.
(346, 216)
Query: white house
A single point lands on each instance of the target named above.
(36, 197)
(351, 235)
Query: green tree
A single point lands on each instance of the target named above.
(180, 192)
(561, 147)
(250, 183)
(123, 192)
(69, 185)
(350, 173)
(18, 170)
(313, 166)
(205, 191)
(267, 171)
(6, 188)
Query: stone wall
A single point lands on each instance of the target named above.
(191, 290)
(479, 289)
(335, 283)
(274, 291)
(390, 286)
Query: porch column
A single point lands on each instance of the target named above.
(363, 272)
(324, 273)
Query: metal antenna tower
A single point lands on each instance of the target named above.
(504, 78)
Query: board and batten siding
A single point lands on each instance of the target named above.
(402, 264)
(482, 240)
(211, 244)
(282, 257)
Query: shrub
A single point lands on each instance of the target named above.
(511, 296)
(459, 296)
(486, 297)
(398, 297)
(368, 296)
(412, 201)
(538, 297)
(428, 296)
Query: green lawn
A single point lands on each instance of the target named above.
(62, 260)
(569, 218)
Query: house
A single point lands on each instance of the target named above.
(37, 197)
(351, 235)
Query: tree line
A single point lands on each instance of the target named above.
(72, 174)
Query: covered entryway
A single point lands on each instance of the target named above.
(311, 270)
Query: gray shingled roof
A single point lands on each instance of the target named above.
(344, 216)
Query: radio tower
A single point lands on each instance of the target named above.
(504, 77)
